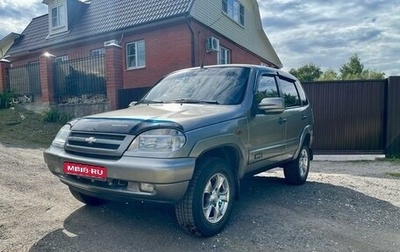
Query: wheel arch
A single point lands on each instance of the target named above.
(231, 155)
(306, 138)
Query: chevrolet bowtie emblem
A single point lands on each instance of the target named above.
(90, 140)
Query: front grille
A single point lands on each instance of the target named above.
(99, 144)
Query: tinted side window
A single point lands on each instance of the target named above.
(302, 94)
(289, 93)
(266, 88)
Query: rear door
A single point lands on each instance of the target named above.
(295, 113)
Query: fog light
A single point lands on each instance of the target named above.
(146, 187)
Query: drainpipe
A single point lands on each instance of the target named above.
(193, 51)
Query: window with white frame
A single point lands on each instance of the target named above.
(234, 9)
(58, 17)
(224, 56)
(135, 55)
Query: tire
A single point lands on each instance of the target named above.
(296, 172)
(86, 199)
(207, 204)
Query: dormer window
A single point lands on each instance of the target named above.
(58, 17)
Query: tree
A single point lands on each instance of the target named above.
(354, 70)
(372, 74)
(329, 74)
(308, 72)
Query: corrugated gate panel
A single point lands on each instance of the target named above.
(393, 125)
(349, 115)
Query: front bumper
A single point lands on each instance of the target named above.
(169, 177)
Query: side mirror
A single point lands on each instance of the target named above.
(133, 103)
(272, 105)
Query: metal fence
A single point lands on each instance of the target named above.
(24, 81)
(126, 96)
(80, 80)
(393, 117)
(349, 116)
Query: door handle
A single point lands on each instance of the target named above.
(282, 120)
(304, 117)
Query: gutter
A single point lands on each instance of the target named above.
(192, 41)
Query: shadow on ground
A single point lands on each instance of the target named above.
(270, 216)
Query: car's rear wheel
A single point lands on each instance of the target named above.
(207, 205)
(296, 172)
(86, 199)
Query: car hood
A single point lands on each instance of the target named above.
(142, 117)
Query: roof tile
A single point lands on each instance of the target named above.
(100, 17)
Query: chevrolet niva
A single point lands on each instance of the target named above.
(189, 142)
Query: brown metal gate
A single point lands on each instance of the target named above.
(350, 116)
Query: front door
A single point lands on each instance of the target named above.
(266, 131)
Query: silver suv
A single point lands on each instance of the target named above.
(189, 141)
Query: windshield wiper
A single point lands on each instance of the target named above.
(188, 100)
(145, 101)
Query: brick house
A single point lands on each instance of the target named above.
(140, 41)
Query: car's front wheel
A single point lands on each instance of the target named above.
(86, 199)
(207, 205)
(296, 172)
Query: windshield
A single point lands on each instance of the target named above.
(221, 85)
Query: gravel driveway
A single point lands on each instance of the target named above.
(345, 206)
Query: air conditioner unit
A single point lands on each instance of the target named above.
(212, 44)
(111, 42)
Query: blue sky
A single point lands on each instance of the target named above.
(322, 32)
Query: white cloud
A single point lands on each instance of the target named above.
(16, 15)
(327, 33)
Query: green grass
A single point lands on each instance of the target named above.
(23, 128)
(394, 174)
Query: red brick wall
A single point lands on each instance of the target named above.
(239, 55)
(114, 73)
(167, 49)
(3, 76)
(46, 77)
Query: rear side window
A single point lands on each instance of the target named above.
(302, 94)
(289, 93)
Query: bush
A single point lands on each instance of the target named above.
(6, 99)
(54, 115)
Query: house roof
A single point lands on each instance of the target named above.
(6, 43)
(101, 17)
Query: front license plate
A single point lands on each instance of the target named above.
(83, 170)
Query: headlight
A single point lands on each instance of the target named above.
(159, 140)
(61, 137)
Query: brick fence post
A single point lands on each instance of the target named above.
(4, 77)
(46, 77)
(114, 72)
